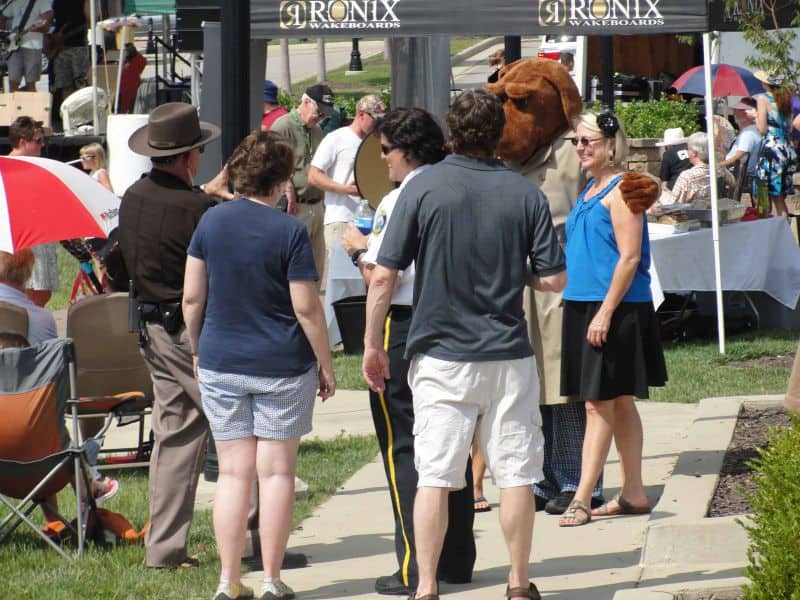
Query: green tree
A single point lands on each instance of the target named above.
(773, 46)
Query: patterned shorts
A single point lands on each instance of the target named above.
(242, 406)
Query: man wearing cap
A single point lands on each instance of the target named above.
(675, 158)
(272, 111)
(301, 128)
(26, 137)
(332, 169)
(748, 140)
(157, 218)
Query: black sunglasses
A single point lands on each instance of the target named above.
(386, 149)
(584, 141)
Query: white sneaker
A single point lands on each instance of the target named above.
(276, 590)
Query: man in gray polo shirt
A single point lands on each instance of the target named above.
(479, 233)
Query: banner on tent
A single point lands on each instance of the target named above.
(353, 18)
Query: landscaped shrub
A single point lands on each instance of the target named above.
(650, 119)
(774, 553)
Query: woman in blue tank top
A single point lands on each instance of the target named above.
(611, 347)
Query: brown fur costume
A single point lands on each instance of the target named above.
(638, 191)
(540, 101)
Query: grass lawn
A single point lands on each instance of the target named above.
(696, 370)
(29, 567)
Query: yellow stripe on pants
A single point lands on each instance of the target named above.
(390, 460)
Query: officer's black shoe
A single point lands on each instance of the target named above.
(391, 585)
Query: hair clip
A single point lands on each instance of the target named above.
(608, 124)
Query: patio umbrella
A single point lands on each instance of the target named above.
(726, 80)
(44, 200)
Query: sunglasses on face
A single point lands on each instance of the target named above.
(87, 156)
(584, 141)
(386, 149)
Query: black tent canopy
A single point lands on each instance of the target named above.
(353, 18)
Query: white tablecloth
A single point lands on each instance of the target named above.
(757, 255)
(344, 280)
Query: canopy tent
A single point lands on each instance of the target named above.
(409, 18)
(414, 18)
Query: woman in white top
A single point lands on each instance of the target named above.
(411, 142)
(93, 160)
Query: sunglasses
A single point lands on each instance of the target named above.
(584, 141)
(386, 149)
(87, 156)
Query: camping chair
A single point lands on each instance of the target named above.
(113, 380)
(13, 319)
(740, 173)
(37, 458)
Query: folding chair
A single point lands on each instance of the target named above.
(13, 319)
(113, 380)
(37, 458)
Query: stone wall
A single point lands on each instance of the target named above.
(644, 156)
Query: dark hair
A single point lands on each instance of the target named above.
(566, 58)
(415, 132)
(263, 160)
(476, 121)
(23, 128)
(13, 340)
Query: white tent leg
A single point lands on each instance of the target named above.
(712, 165)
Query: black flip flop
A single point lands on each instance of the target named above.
(479, 500)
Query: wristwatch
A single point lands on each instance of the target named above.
(357, 255)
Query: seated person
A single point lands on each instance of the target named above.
(694, 183)
(749, 140)
(15, 270)
(675, 158)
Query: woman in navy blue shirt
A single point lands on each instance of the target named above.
(257, 331)
(611, 349)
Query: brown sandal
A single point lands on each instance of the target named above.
(571, 514)
(624, 508)
(521, 592)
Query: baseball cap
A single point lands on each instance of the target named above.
(744, 104)
(323, 96)
(270, 91)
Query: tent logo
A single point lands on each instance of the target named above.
(293, 14)
(339, 14)
(599, 13)
(552, 12)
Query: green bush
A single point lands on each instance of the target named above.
(774, 553)
(650, 119)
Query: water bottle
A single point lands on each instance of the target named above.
(363, 217)
(762, 199)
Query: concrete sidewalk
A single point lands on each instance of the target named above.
(349, 538)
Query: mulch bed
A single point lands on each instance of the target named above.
(736, 477)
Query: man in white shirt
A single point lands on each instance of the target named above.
(748, 140)
(26, 60)
(332, 170)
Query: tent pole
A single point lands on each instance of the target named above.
(712, 165)
(93, 55)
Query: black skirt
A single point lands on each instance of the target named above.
(630, 361)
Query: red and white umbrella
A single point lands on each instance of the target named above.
(44, 200)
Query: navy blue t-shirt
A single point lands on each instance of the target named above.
(252, 252)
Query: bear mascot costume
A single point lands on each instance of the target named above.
(540, 101)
